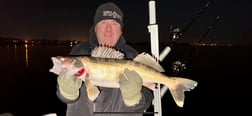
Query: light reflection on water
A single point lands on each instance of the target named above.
(26, 55)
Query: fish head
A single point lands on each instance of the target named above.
(73, 65)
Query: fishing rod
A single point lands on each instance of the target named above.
(176, 33)
(209, 28)
(203, 37)
(178, 66)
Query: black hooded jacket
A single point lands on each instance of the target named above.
(110, 99)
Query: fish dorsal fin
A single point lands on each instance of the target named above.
(107, 52)
(148, 60)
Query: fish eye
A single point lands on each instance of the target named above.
(78, 63)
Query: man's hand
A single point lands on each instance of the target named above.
(130, 85)
(68, 86)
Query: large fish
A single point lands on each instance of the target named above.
(104, 72)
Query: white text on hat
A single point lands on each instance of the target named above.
(113, 14)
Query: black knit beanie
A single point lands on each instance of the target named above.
(108, 11)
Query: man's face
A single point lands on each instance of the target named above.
(108, 32)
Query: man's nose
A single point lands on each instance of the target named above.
(108, 27)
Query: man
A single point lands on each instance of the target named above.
(130, 97)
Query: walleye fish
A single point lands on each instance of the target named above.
(104, 72)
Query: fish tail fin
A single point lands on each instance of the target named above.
(178, 87)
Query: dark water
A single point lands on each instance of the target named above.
(223, 74)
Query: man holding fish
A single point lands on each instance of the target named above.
(131, 98)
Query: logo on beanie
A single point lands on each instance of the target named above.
(113, 14)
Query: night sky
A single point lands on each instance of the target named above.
(71, 19)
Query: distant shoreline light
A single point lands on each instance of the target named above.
(212, 44)
(20, 42)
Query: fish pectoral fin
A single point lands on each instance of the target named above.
(92, 90)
